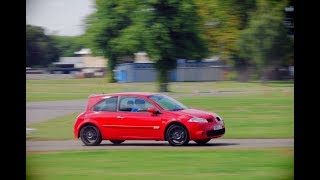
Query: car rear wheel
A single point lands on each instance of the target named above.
(177, 135)
(117, 141)
(202, 142)
(90, 135)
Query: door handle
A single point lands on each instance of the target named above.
(120, 117)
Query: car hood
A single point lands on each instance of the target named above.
(193, 113)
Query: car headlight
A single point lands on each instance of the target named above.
(220, 120)
(199, 120)
(217, 116)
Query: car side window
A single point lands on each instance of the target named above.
(109, 104)
(134, 104)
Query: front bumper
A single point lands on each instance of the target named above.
(216, 132)
(198, 131)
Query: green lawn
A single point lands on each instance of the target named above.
(262, 164)
(262, 115)
(262, 111)
(55, 129)
(67, 89)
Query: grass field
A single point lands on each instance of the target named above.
(262, 111)
(262, 115)
(262, 164)
(67, 89)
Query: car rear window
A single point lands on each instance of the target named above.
(109, 104)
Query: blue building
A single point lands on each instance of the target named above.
(186, 71)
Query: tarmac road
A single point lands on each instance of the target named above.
(46, 110)
(43, 111)
(39, 146)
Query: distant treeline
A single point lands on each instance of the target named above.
(255, 34)
(42, 49)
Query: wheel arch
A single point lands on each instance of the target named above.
(172, 123)
(85, 124)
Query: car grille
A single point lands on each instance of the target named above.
(216, 132)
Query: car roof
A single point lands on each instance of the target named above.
(124, 94)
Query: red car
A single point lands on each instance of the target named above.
(144, 116)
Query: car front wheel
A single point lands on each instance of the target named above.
(177, 135)
(90, 135)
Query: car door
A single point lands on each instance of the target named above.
(106, 114)
(137, 122)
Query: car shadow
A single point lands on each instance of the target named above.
(168, 145)
(215, 144)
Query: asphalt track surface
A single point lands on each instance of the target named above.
(43, 111)
(46, 110)
(106, 145)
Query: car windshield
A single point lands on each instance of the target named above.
(167, 103)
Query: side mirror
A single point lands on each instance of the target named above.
(152, 110)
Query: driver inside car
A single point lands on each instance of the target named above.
(139, 105)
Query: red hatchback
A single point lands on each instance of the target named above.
(144, 116)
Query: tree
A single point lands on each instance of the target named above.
(166, 29)
(67, 45)
(40, 48)
(171, 31)
(265, 42)
(105, 25)
(222, 22)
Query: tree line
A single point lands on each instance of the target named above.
(42, 50)
(244, 33)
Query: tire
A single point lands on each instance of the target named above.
(177, 135)
(202, 142)
(117, 141)
(90, 135)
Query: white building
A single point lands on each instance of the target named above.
(83, 62)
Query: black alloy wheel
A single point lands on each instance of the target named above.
(90, 135)
(177, 135)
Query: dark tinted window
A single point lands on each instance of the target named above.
(109, 104)
(134, 104)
